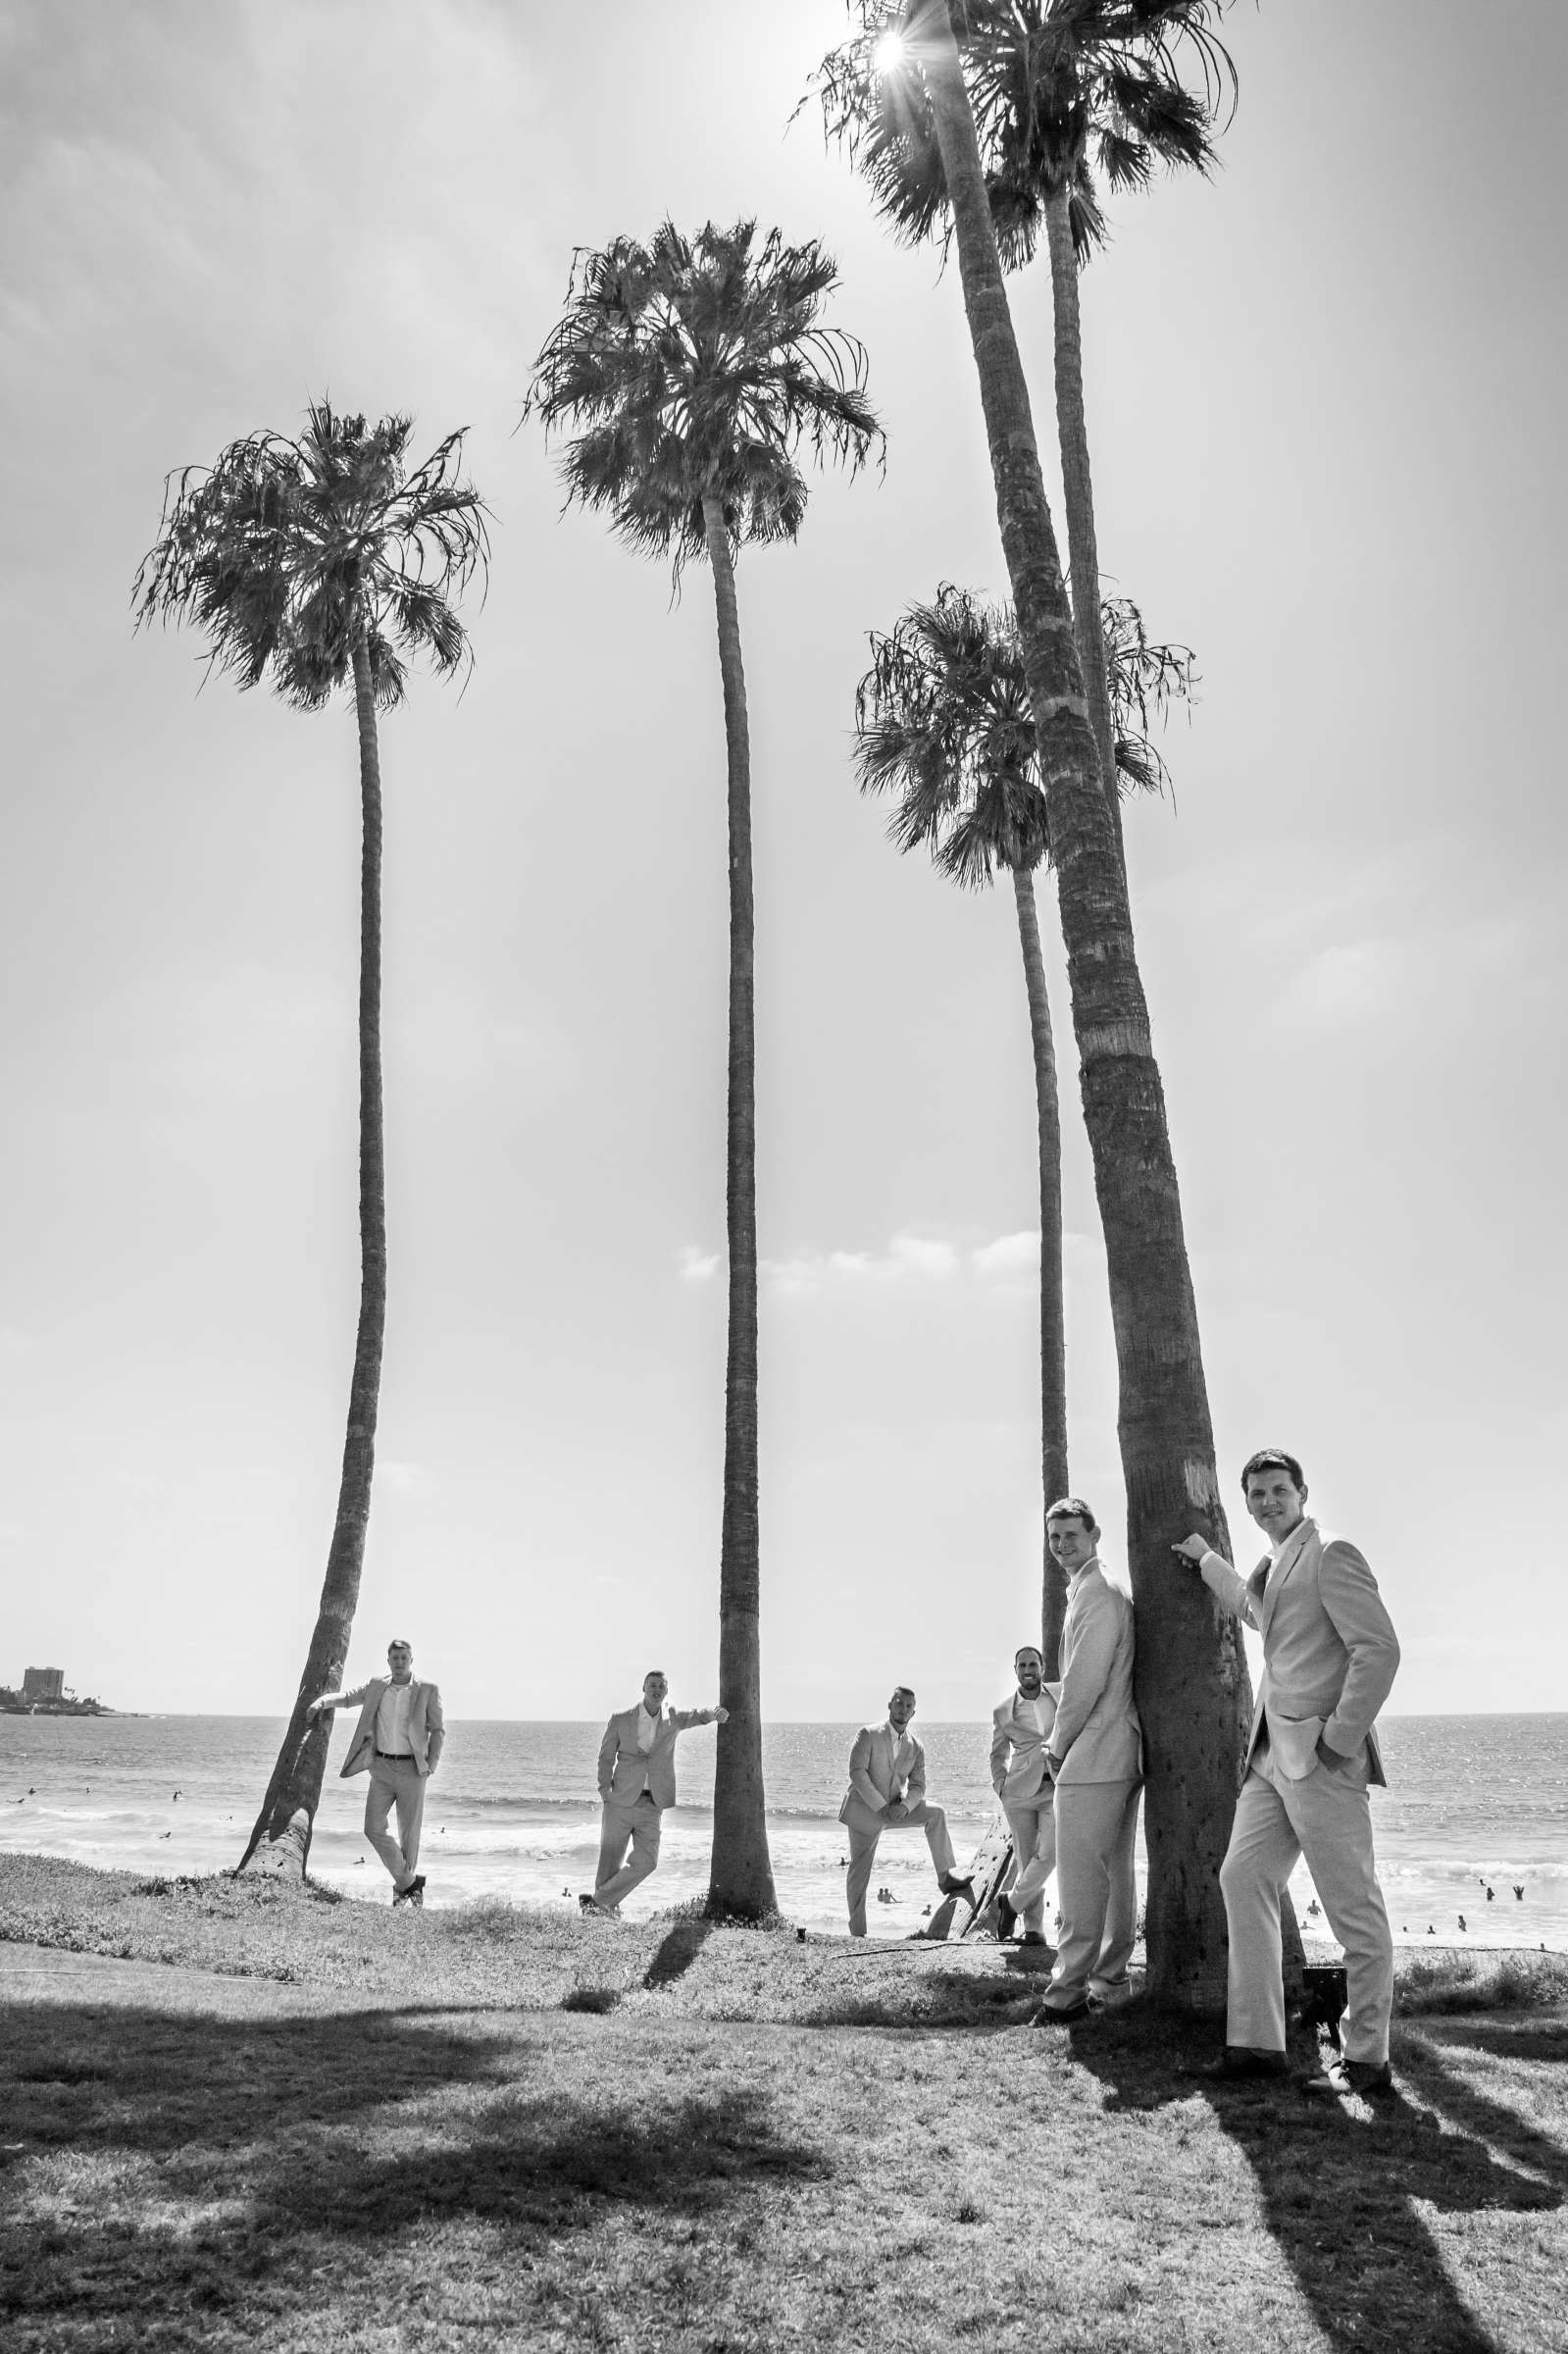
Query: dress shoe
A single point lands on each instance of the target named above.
(1045, 2016)
(1032, 1937)
(1336, 2077)
(1238, 2062)
(951, 1885)
(1006, 1918)
(592, 1910)
(413, 1894)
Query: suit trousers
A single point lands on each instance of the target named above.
(641, 1822)
(1327, 1819)
(402, 1786)
(865, 1829)
(1096, 1825)
(1034, 1827)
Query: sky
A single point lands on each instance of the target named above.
(1324, 395)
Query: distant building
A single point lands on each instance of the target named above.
(44, 1683)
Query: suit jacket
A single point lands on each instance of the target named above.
(621, 1764)
(1097, 1736)
(426, 1727)
(878, 1770)
(1330, 1651)
(1018, 1751)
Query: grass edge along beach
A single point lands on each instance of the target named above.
(253, 2113)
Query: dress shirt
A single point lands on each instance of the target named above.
(1033, 1711)
(647, 1728)
(391, 1722)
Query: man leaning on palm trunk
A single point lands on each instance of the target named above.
(1329, 1656)
(399, 1742)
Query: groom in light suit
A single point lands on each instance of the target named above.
(1021, 1726)
(1095, 1759)
(637, 1784)
(1329, 1655)
(399, 1742)
(886, 1790)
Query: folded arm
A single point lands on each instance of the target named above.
(1348, 1592)
(860, 1781)
(609, 1751)
(1094, 1641)
(1001, 1751)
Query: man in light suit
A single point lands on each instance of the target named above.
(637, 1784)
(887, 1790)
(399, 1742)
(1094, 1757)
(1329, 1655)
(1021, 1726)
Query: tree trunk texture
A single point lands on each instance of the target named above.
(281, 1840)
(740, 1881)
(1078, 496)
(1192, 1684)
(1055, 1478)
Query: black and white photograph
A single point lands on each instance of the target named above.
(783, 1007)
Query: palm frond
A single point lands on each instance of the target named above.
(943, 728)
(1132, 83)
(699, 367)
(283, 552)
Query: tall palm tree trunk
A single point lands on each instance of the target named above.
(288, 1811)
(740, 1879)
(1078, 495)
(1052, 1311)
(1193, 1686)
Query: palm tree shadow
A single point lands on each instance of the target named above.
(1474, 2110)
(359, 2133)
(678, 1948)
(1341, 2186)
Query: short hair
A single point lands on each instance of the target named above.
(1032, 1650)
(400, 1643)
(903, 1692)
(1271, 1458)
(653, 1671)
(1073, 1508)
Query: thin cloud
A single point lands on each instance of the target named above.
(909, 1258)
(697, 1266)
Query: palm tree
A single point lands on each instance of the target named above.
(326, 563)
(1192, 1682)
(692, 370)
(1065, 93)
(942, 719)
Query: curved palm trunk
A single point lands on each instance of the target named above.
(282, 1837)
(1078, 495)
(741, 1879)
(1052, 1316)
(1192, 1685)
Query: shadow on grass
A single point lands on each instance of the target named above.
(158, 2168)
(1340, 2183)
(678, 1948)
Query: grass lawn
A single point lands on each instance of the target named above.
(284, 2123)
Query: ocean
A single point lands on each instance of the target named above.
(1474, 1804)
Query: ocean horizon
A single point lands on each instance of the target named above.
(1475, 1803)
